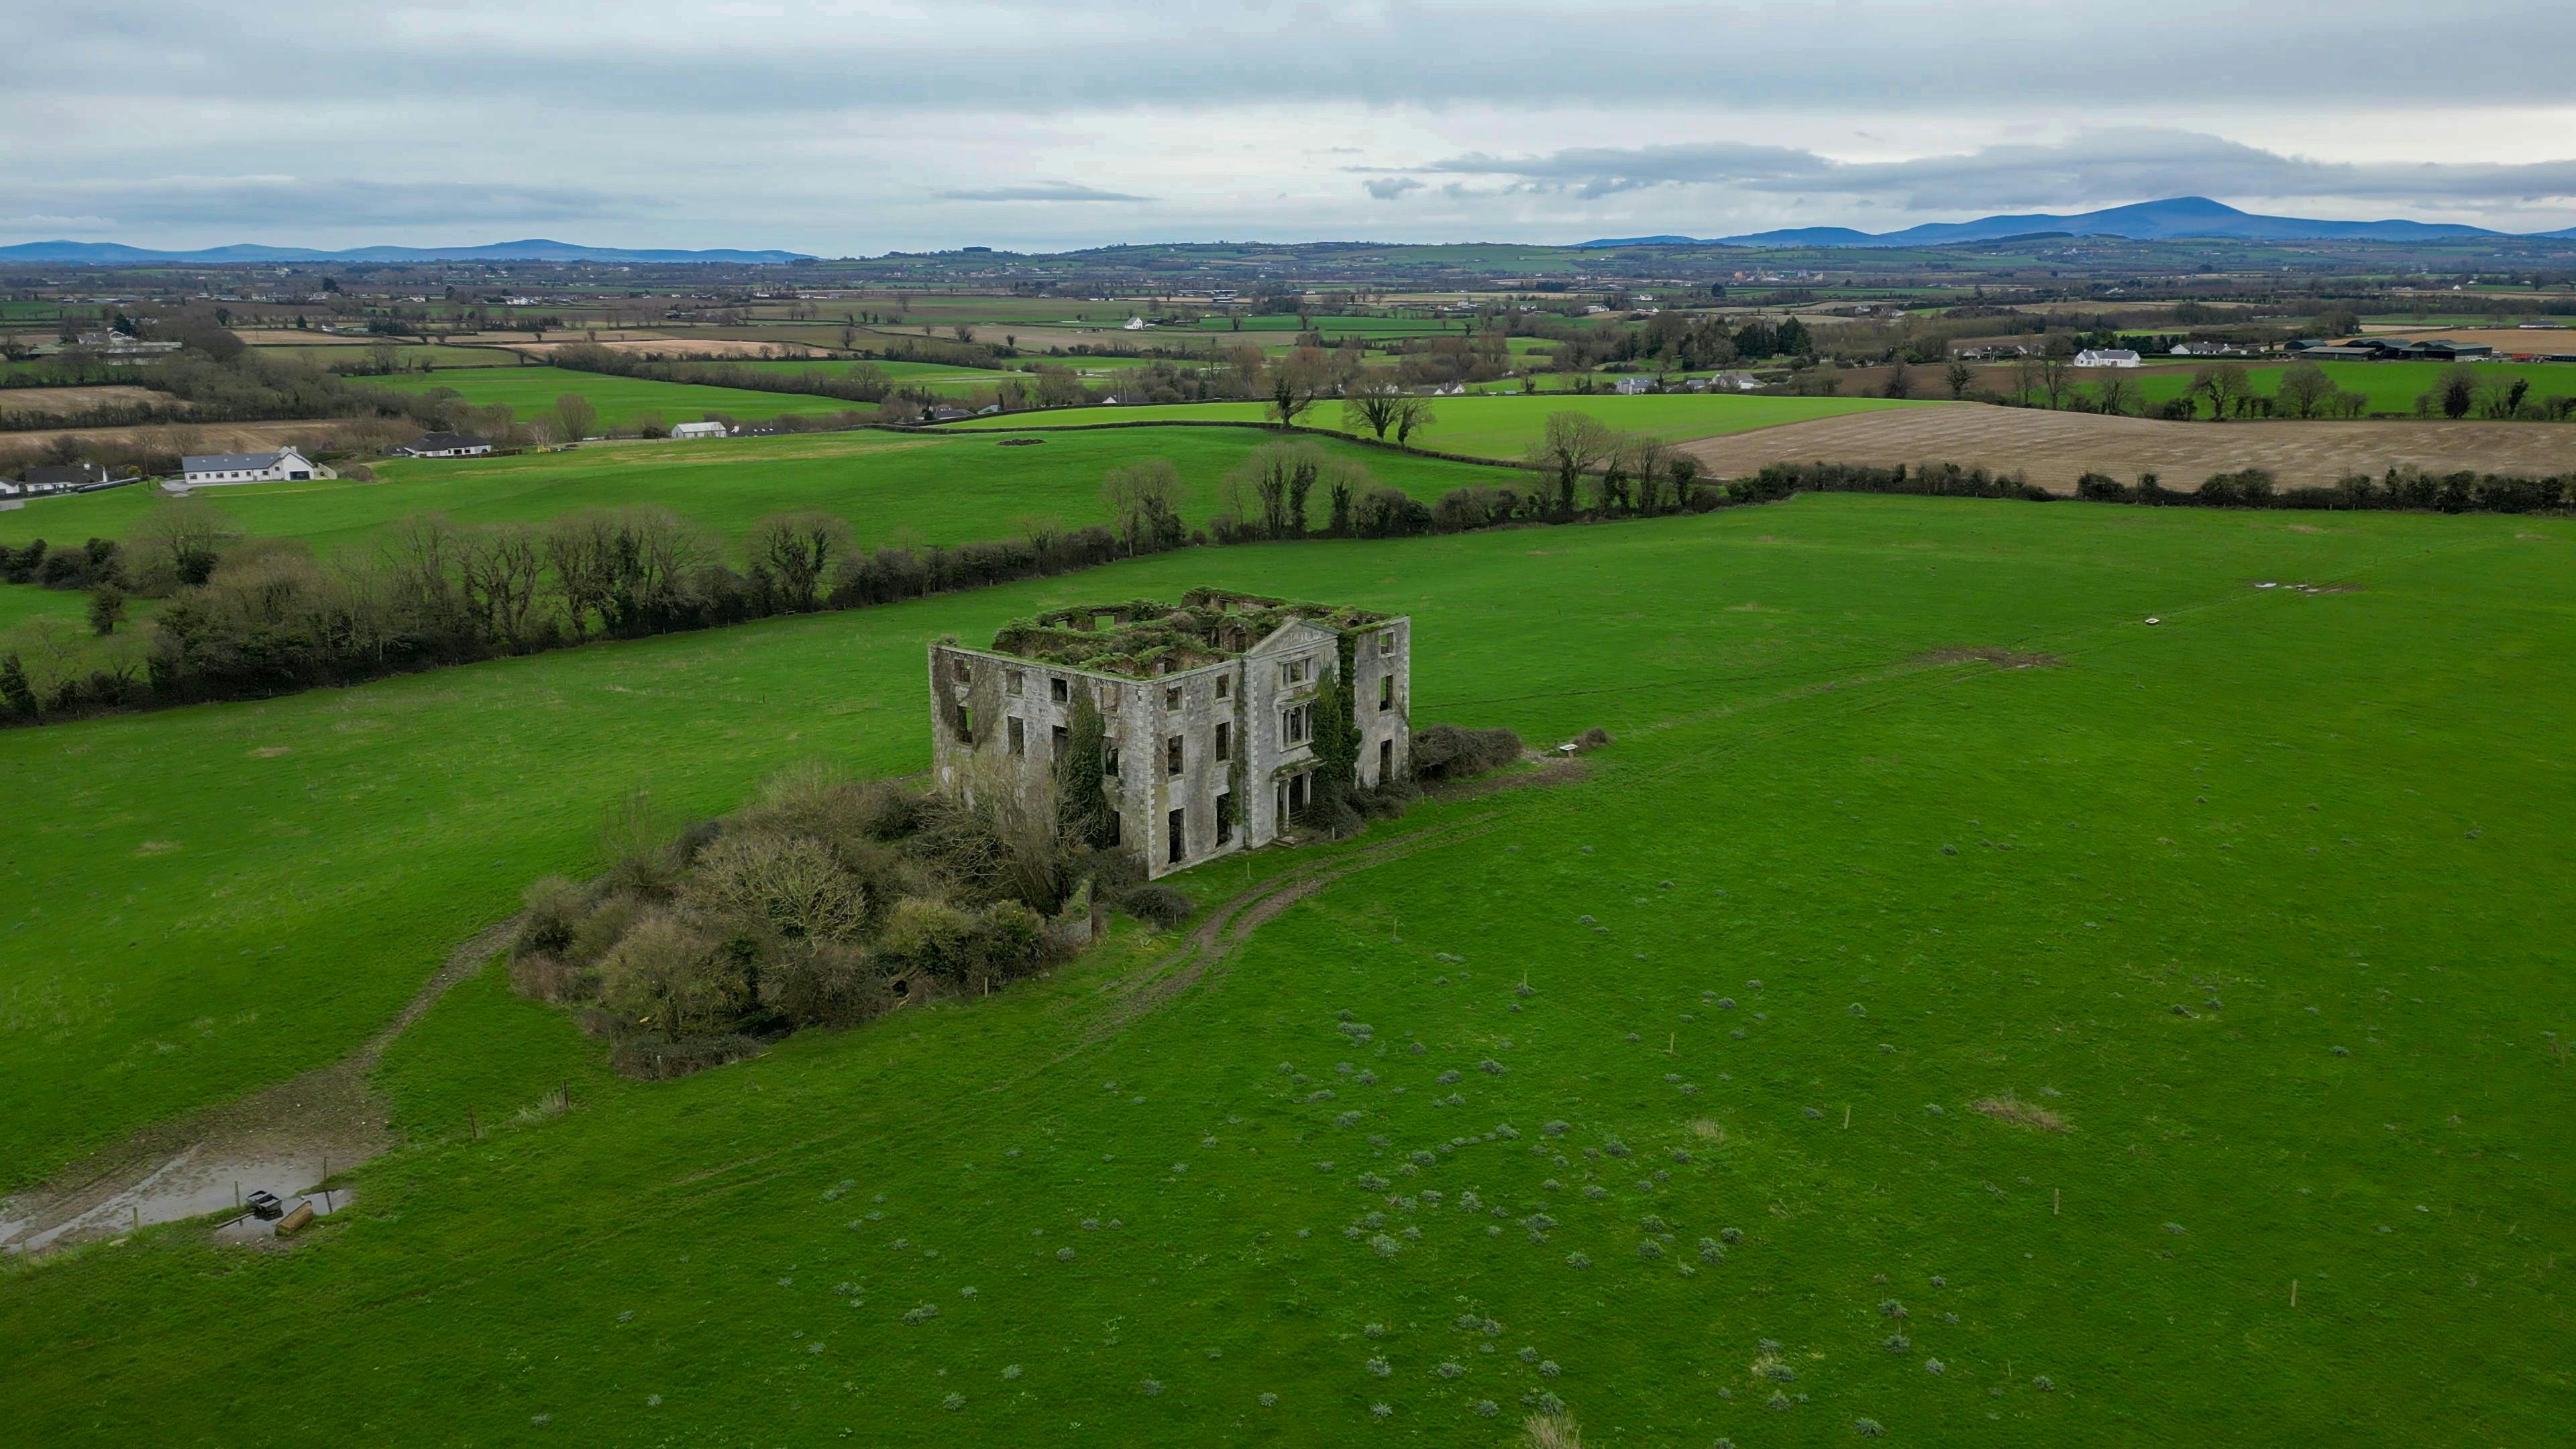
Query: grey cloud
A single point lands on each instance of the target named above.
(1040, 191)
(1388, 188)
(2098, 167)
(671, 58)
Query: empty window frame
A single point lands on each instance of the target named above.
(1224, 740)
(1172, 697)
(1294, 672)
(1019, 736)
(1297, 726)
(1060, 690)
(1224, 820)
(1057, 739)
(1385, 692)
(1385, 761)
(965, 724)
(1225, 686)
(1172, 757)
(1013, 679)
(965, 670)
(1386, 641)
(1176, 838)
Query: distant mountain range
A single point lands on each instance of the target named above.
(533, 250)
(2179, 217)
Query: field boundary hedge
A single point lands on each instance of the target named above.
(211, 646)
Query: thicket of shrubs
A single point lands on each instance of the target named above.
(1451, 752)
(824, 903)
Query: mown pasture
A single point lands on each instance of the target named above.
(1497, 427)
(1658, 1093)
(892, 487)
(531, 392)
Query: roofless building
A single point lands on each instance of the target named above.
(1209, 708)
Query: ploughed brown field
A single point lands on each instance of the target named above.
(182, 437)
(2054, 448)
(78, 399)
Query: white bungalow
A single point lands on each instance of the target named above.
(2106, 357)
(1631, 386)
(445, 445)
(283, 466)
(699, 430)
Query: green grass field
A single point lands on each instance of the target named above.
(1499, 426)
(438, 355)
(926, 488)
(2262, 902)
(531, 392)
(2392, 387)
(22, 602)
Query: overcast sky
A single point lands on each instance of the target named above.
(847, 127)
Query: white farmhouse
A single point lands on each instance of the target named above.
(2106, 357)
(699, 430)
(283, 466)
(1631, 386)
(444, 445)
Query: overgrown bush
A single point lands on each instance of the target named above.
(655, 1059)
(823, 903)
(1452, 752)
(1159, 906)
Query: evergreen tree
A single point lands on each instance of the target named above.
(106, 609)
(1083, 811)
(15, 692)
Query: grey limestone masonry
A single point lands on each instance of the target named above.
(1208, 708)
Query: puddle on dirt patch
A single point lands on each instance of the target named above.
(191, 1184)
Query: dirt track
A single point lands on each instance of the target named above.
(2054, 448)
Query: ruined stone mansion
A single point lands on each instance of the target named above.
(1208, 708)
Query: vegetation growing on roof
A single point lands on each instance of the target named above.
(1142, 638)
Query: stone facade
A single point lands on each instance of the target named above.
(1211, 731)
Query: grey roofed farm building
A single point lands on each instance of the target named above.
(1208, 707)
(283, 465)
(445, 445)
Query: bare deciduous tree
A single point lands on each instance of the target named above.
(798, 549)
(1572, 445)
